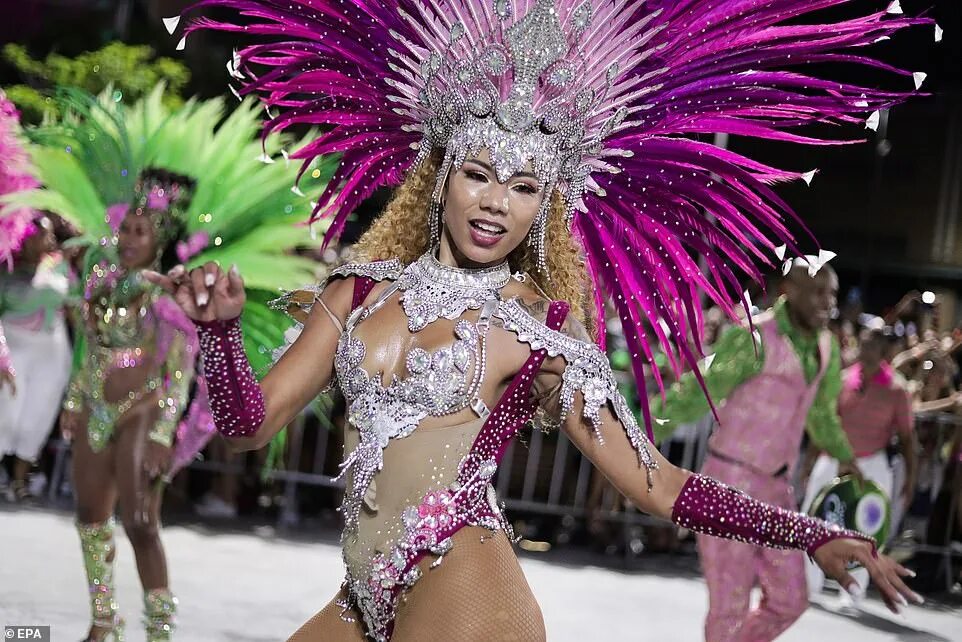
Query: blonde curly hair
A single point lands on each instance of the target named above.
(401, 232)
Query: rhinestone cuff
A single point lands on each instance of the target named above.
(710, 507)
(236, 400)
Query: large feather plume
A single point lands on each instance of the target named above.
(659, 196)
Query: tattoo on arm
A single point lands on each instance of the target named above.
(537, 308)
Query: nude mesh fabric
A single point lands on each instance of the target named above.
(477, 594)
(327, 625)
(424, 461)
(479, 591)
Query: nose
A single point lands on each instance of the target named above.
(494, 199)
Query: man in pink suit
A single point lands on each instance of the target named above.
(769, 387)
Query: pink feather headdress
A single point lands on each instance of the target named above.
(608, 99)
(16, 223)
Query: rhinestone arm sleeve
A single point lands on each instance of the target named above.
(713, 508)
(236, 400)
(6, 364)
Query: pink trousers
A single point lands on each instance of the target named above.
(732, 569)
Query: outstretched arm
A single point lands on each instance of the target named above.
(610, 439)
(246, 412)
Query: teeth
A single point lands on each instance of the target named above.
(488, 227)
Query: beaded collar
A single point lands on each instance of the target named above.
(431, 290)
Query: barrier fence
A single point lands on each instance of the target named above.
(541, 474)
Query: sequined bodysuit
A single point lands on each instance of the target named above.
(423, 447)
(130, 329)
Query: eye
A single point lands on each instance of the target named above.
(526, 188)
(475, 175)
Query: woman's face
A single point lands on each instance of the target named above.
(39, 243)
(136, 241)
(485, 220)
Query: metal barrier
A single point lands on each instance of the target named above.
(520, 482)
(546, 475)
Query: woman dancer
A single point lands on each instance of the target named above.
(34, 348)
(514, 120)
(128, 401)
(125, 402)
(32, 300)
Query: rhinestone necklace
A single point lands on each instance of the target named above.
(431, 290)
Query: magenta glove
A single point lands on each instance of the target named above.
(236, 400)
(710, 507)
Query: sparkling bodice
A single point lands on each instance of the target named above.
(434, 381)
(117, 313)
(411, 482)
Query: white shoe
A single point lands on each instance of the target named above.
(214, 506)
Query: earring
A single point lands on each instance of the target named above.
(437, 206)
(536, 239)
(434, 222)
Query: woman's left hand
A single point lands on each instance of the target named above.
(834, 557)
(157, 459)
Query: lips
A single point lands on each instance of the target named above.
(485, 233)
(487, 227)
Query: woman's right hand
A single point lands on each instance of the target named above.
(206, 293)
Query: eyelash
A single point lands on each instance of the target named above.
(526, 189)
(478, 176)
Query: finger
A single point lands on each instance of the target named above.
(184, 293)
(212, 274)
(164, 282)
(234, 281)
(897, 572)
(893, 599)
(848, 583)
(198, 279)
(178, 273)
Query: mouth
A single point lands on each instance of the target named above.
(487, 228)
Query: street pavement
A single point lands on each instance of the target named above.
(247, 587)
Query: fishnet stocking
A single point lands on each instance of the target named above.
(328, 626)
(478, 593)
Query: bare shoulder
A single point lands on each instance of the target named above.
(526, 313)
(338, 294)
(536, 305)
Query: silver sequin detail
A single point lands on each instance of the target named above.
(433, 290)
(587, 371)
(436, 383)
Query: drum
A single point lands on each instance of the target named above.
(860, 506)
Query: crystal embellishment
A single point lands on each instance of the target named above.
(432, 290)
